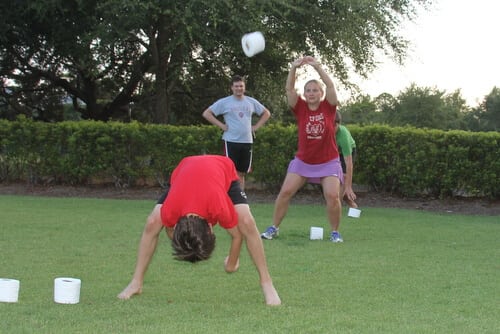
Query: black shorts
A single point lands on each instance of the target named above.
(342, 161)
(235, 193)
(241, 154)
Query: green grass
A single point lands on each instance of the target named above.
(398, 271)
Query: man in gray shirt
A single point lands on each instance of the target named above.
(237, 111)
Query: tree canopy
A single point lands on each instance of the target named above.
(164, 61)
(425, 107)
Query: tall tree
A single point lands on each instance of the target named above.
(486, 117)
(421, 107)
(168, 56)
(415, 106)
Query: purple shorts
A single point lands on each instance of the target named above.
(314, 173)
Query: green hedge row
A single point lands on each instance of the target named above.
(406, 161)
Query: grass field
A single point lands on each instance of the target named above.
(398, 271)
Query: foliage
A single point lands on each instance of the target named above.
(425, 107)
(402, 160)
(163, 61)
(487, 116)
(416, 162)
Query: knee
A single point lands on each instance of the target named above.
(332, 198)
(286, 194)
(151, 222)
(246, 221)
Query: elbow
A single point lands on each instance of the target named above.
(206, 114)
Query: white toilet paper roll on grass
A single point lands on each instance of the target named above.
(354, 213)
(67, 290)
(316, 233)
(9, 290)
(253, 43)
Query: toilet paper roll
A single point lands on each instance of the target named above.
(354, 213)
(316, 233)
(253, 43)
(67, 290)
(9, 290)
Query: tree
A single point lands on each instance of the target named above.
(360, 110)
(165, 59)
(426, 107)
(416, 106)
(486, 117)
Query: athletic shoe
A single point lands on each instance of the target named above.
(270, 233)
(336, 237)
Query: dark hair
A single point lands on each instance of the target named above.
(193, 239)
(237, 78)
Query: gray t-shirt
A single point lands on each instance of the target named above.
(237, 115)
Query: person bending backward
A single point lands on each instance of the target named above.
(203, 191)
(317, 158)
(237, 110)
(347, 150)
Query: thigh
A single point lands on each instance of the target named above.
(292, 183)
(240, 154)
(237, 195)
(331, 186)
(244, 158)
(232, 152)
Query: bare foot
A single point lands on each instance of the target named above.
(134, 288)
(270, 294)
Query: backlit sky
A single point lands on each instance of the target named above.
(454, 45)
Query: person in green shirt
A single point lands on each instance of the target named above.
(347, 150)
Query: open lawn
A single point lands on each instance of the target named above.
(398, 271)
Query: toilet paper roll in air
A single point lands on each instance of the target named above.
(67, 290)
(316, 233)
(9, 290)
(253, 43)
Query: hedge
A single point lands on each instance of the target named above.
(405, 161)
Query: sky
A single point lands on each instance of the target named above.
(453, 45)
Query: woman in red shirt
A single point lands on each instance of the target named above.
(317, 158)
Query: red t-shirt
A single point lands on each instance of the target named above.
(316, 132)
(199, 185)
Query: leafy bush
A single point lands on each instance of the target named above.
(402, 160)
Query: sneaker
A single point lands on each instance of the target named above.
(336, 237)
(270, 233)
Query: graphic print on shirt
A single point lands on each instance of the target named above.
(315, 126)
(242, 111)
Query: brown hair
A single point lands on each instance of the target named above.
(193, 239)
(237, 78)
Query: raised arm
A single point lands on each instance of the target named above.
(330, 93)
(291, 93)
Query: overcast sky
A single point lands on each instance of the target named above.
(454, 45)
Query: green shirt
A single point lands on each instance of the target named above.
(345, 142)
